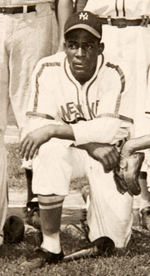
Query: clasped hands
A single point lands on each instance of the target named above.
(106, 154)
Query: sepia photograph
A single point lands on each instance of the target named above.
(75, 137)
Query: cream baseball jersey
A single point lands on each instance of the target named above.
(119, 8)
(93, 109)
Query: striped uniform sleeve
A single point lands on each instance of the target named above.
(114, 121)
(42, 108)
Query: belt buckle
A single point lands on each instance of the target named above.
(121, 23)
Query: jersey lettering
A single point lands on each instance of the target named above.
(93, 109)
(71, 109)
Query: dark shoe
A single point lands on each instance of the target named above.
(32, 214)
(102, 246)
(145, 219)
(40, 257)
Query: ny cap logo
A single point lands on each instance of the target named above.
(83, 16)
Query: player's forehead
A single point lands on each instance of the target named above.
(80, 35)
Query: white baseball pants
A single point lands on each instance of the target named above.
(109, 214)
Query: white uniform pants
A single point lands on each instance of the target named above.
(24, 39)
(109, 214)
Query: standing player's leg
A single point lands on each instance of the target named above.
(4, 102)
(35, 36)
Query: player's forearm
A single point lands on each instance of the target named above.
(35, 139)
(62, 132)
(135, 144)
(65, 9)
(101, 130)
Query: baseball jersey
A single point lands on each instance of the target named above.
(98, 111)
(119, 8)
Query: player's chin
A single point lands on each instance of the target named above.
(80, 74)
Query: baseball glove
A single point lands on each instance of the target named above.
(127, 172)
(13, 230)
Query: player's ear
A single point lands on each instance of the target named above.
(101, 48)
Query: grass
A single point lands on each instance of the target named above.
(134, 260)
(131, 261)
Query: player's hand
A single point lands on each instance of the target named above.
(33, 140)
(106, 154)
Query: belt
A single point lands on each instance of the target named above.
(13, 10)
(123, 22)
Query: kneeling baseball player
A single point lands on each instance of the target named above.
(79, 114)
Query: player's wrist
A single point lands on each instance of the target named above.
(128, 149)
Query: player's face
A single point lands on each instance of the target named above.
(82, 49)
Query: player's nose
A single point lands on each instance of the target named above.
(80, 52)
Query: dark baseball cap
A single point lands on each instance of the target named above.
(84, 20)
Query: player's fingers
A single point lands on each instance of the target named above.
(24, 145)
(110, 161)
(33, 150)
(114, 158)
(106, 164)
(27, 150)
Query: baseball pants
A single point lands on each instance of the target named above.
(109, 213)
(24, 39)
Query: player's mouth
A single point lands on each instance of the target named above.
(79, 66)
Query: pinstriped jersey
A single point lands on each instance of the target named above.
(119, 8)
(58, 96)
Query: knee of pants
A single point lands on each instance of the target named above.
(54, 151)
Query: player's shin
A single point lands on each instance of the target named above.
(50, 215)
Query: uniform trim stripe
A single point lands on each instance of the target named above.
(50, 198)
(120, 72)
(37, 114)
(47, 64)
(71, 80)
(122, 79)
(49, 207)
(116, 8)
(121, 117)
(51, 203)
(124, 9)
(87, 91)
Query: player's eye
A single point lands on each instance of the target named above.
(88, 47)
(72, 46)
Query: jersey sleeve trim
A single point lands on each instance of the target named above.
(122, 79)
(47, 64)
(65, 69)
(118, 116)
(87, 92)
(37, 114)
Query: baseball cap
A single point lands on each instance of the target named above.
(84, 20)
